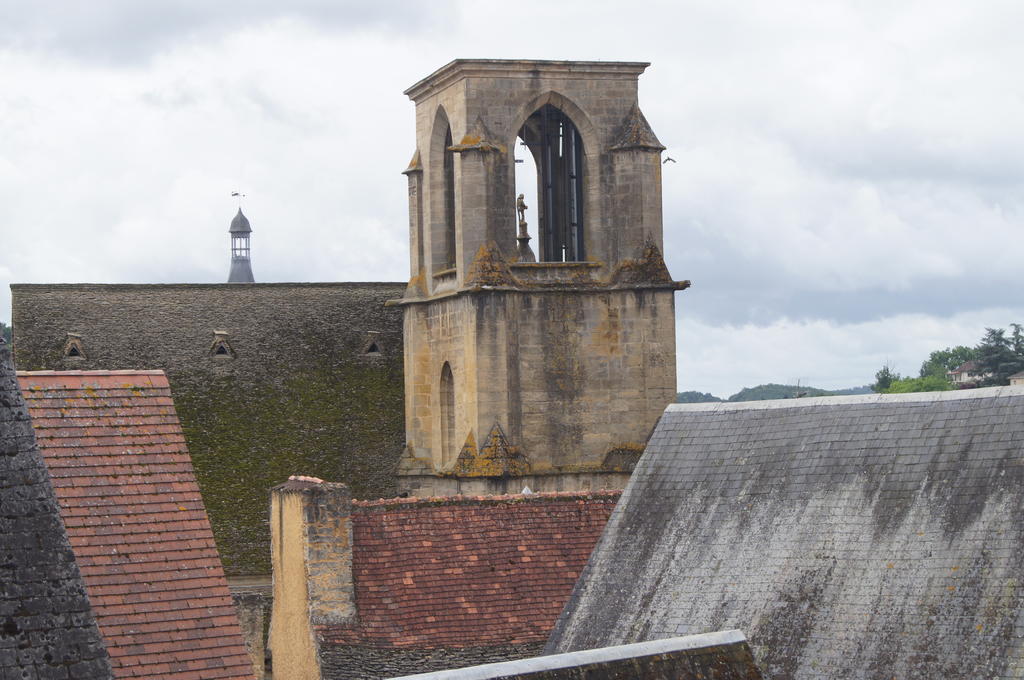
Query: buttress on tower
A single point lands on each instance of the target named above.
(548, 365)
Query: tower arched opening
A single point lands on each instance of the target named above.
(556, 146)
(442, 189)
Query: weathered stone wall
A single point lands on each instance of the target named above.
(486, 102)
(357, 662)
(251, 607)
(560, 369)
(576, 379)
(850, 537)
(47, 629)
(299, 391)
(292, 640)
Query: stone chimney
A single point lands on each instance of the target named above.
(311, 546)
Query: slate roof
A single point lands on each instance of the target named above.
(128, 495)
(874, 536)
(47, 629)
(240, 224)
(467, 571)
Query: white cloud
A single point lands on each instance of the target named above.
(723, 359)
(840, 164)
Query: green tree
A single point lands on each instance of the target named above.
(942, 361)
(694, 397)
(5, 332)
(997, 356)
(884, 378)
(928, 383)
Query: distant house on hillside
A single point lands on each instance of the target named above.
(1017, 378)
(967, 374)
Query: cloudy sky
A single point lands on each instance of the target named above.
(849, 187)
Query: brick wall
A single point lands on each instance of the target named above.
(437, 582)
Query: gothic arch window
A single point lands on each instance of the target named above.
(441, 181)
(557, 147)
(449, 200)
(447, 394)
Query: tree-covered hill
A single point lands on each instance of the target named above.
(768, 391)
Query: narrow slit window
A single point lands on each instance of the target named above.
(447, 399)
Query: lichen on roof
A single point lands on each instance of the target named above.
(847, 536)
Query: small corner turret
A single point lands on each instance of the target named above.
(241, 264)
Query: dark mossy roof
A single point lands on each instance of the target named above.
(296, 389)
(874, 536)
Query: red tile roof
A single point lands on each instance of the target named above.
(468, 571)
(128, 496)
(967, 367)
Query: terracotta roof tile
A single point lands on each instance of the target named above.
(129, 499)
(467, 571)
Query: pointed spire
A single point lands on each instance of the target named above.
(414, 165)
(240, 225)
(636, 133)
(479, 138)
(496, 458)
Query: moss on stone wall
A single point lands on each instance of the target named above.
(336, 424)
(302, 396)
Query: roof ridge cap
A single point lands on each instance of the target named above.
(845, 399)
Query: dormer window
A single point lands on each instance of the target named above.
(221, 348)
(74, 349)
(372, 346)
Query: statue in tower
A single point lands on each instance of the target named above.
(525, 251)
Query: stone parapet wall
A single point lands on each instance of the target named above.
(575, 379)
(362, 662)
(379, 588)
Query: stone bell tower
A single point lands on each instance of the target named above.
(543, 365)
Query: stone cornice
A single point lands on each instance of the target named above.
(522, 68)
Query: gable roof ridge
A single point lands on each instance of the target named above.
(846, 399)
(496, 499)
